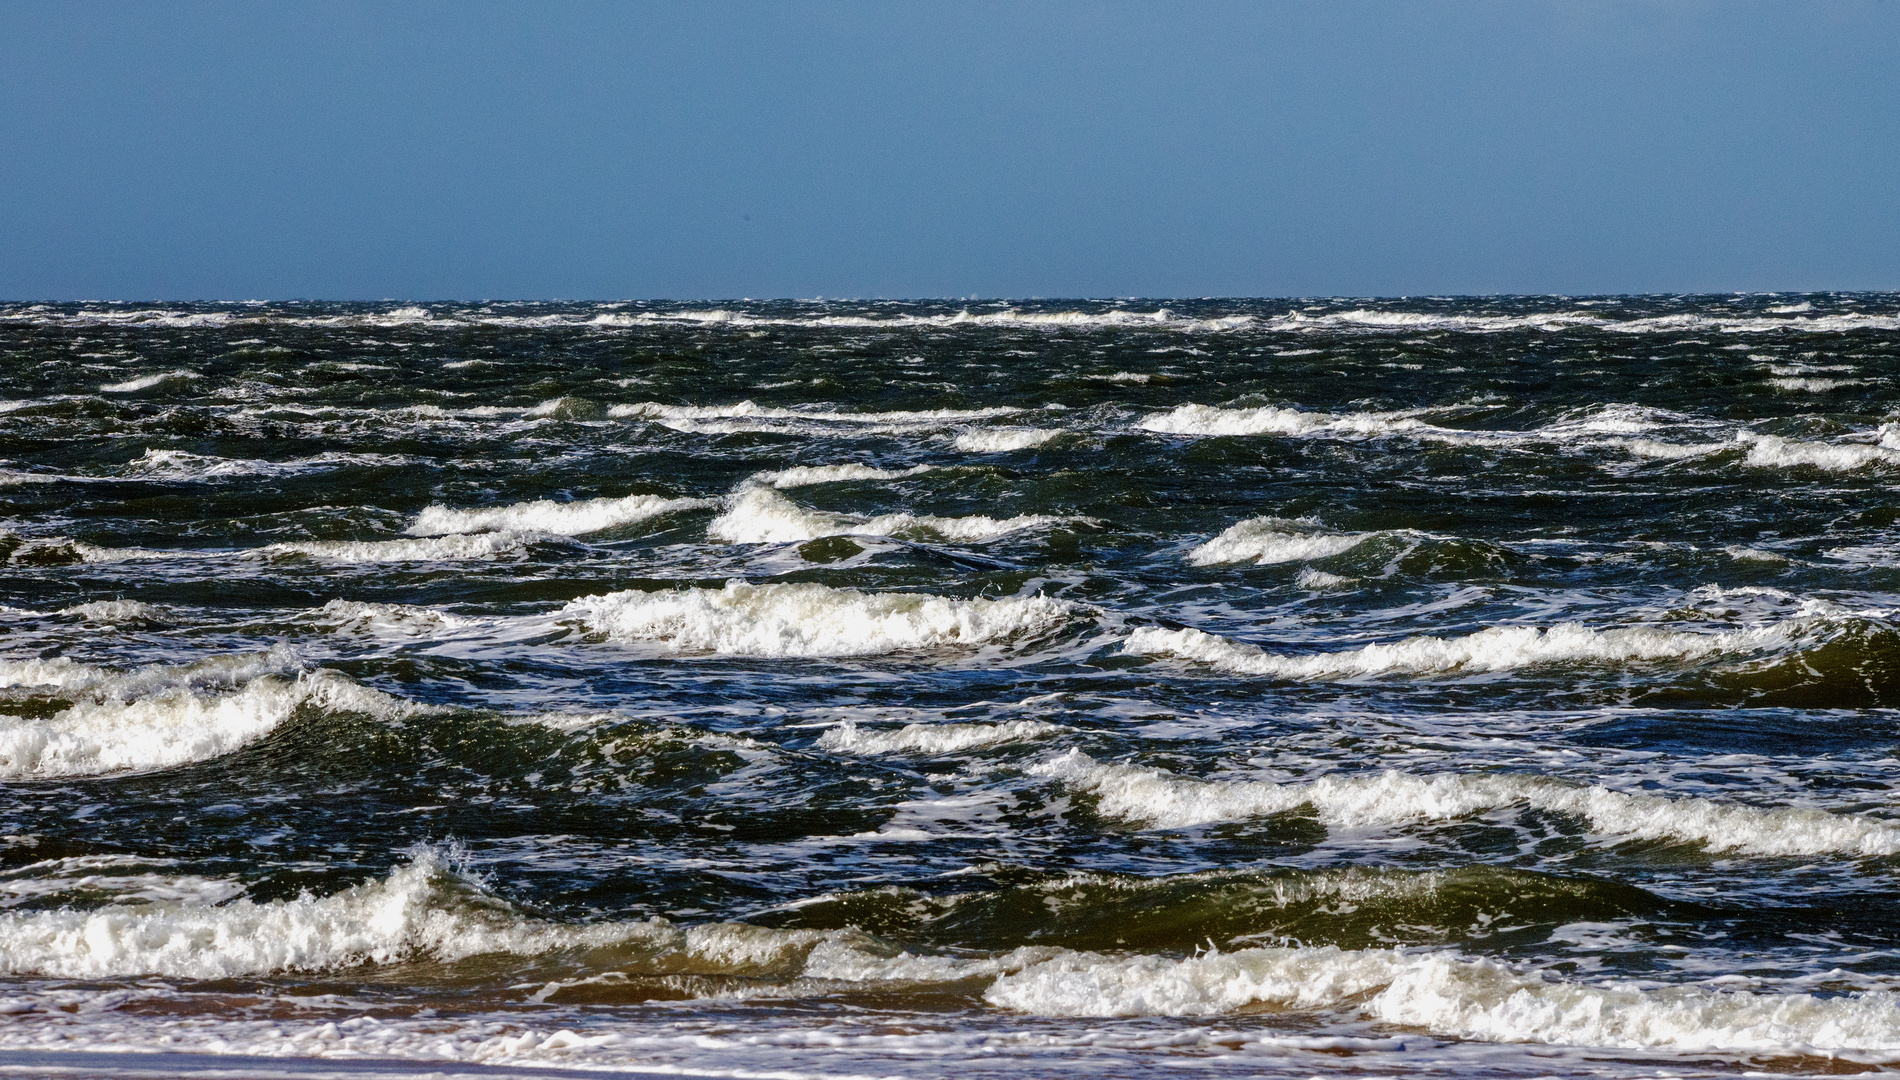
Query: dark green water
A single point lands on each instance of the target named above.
(1449, 687)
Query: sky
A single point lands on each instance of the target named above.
(473, 150)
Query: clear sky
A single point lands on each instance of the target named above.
(712, 150)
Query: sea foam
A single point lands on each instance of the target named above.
(783, 620)
(1374, 800)
(173, 726)
(1267, 540)
(1272, 420)
(1496, 648)
(550, 517)
(849, 738)
(760, 515)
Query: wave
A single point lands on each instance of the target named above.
(1560, 321)
(116, 612)
(1372, 800)
(784, 620)
(751, 416)
(1451, 995)
(848, 738)
(173, 726)
(1349, 906)
(760, 515)
(424, 912)
(60, 672)
(420, 910)
(180, 465)
(485, 545)
(549, 517)
(1773, 451)
(1496, 648)
(1267, 540)
(807, 475)
(146, 382)
(1273, 420)
(405, 619)
(1003, 440)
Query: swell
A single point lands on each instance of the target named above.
(1392, 798)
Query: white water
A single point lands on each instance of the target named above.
(1391, 798)
(813, 620)
(550, 517)
(761, 515)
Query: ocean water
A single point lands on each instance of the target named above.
(1443, 687)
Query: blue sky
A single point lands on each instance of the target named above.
(605, 151)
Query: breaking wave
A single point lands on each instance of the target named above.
(1373, 800)
(1267, 540)
(813, 620)
(126, 726)
(760, 515)
(1496, 648)
(549, 517)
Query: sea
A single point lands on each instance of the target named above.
(1425, 687)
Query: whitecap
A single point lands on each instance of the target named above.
(1003, 440)
(1384, 799)
(849, 738)
(1268, 540)
(1496, 648)
(550, 517)
(146, 382)
(806, 475)
(813, 620)
(172, 726)
(760, 515)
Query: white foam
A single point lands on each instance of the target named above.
(456, 546)
(1450, 995)
(1496, 648)
(807, 475)
(405, 619)
(760, 515)
(1375, 800)
(1773, 451)
(60, 672)
(1267, 540)
(146, 382)
(1666, 451)
(813, 620)
(1273, 420)
(1811, 386)
(751, 410)
(381, 922)
(550, 517)
(80, 551)
(1003, 440)
(173, 726)
(848, 738)
(180, 465)
(115, 612)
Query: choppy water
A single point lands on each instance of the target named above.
(1437, 687)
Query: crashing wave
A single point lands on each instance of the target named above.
(173, 725)
(1268, 540)
(1371, 800)
(549, 517)
(848, 738)
(1496, 648)
(1272, 420)
(760, 515)
(813, 620)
